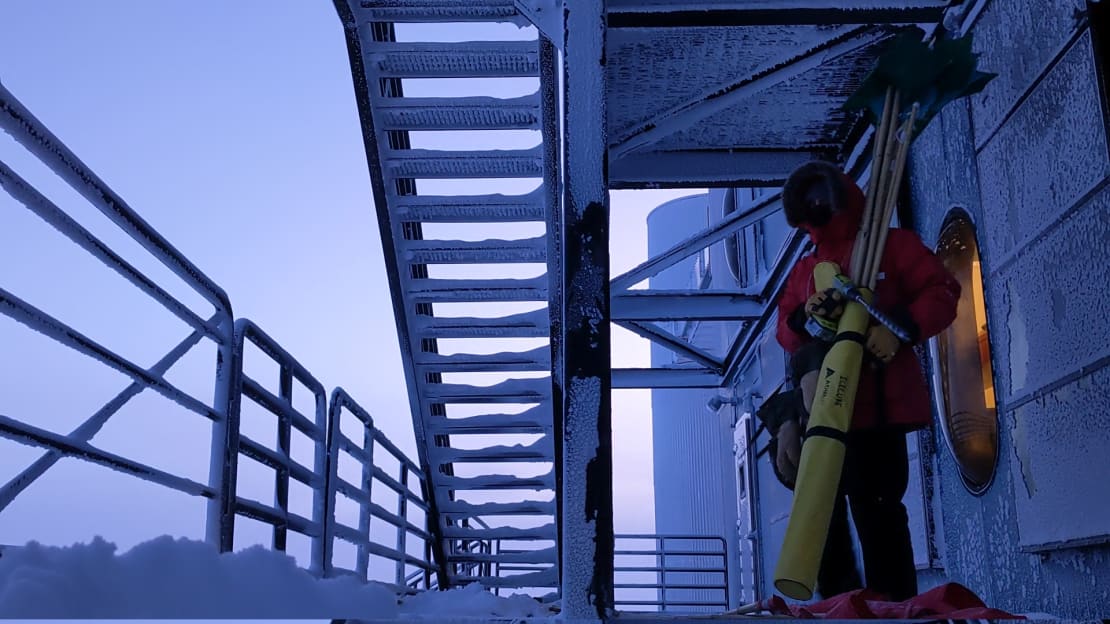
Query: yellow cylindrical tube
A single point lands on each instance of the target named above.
(822, 458)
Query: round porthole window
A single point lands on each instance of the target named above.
(962, 363)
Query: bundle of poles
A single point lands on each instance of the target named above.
(888, 163)
(831, 413)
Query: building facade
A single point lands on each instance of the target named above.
(1009, 186)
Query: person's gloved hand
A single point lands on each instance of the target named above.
(882, 343)
(789, 455)
(828, 303)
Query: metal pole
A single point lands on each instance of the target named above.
(281, 475)
(584, 364)
(553, 217)
(402, 513)
(364, 519)
(224, 457)
(661, 546)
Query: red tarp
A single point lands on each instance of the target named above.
(951, 600)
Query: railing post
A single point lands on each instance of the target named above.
(427, 557)
(661, 546)
(224, 455)
(281, 475)
(402, 531)
(368, 434)
(724, 566)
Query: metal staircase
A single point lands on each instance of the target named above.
(483, 491)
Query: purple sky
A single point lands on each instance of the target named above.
(232, 129)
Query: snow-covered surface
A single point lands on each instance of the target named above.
(180, 578)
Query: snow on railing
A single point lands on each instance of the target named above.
(232, 386)
(410, 572)
(17, 121)
(289, 419)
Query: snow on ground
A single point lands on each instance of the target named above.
(180, 578)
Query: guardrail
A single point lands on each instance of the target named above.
(17, 121)
(690, 572)
(232, 387)
(652, 572)
(288, 419)
(410, 572)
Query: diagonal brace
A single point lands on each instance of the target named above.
(669, 341)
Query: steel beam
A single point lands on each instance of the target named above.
(717, 232)
(840, 41)
(743, 348)
(584, 358)
(550, 69)
(715, 13)
(714, 168)
(684, 305)
(674, 343)
(666, 378)
(545, 15)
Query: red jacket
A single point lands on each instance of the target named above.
(913, 286)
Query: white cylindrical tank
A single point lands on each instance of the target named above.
(695, 490)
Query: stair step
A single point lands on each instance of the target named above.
(495, 208)
(508, 391)
(461, 509)
(466, 59)
(533, 420)
(465, 113)
(457, 165)
(496, 482)
(491, 251)
(538, 359)
(541, 450)
(438, 11)
(535, 324)
(543, 555)
(544, 532)
(450, 290)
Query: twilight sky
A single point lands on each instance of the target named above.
(231, 127)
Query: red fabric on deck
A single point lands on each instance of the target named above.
(951, 600)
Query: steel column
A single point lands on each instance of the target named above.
(553, 216)
(584, 361)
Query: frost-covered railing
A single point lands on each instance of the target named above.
(288, 419)
(17, 121)
(233, 340)
(407, 490)
(671, 572)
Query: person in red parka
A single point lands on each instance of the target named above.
(892, 398)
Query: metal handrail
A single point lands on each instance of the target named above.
(232, 385)
(697, 591)
(338, 444)
(33, 135)
(86, 430)
(288, 418)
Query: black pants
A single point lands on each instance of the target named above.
(874, 480)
